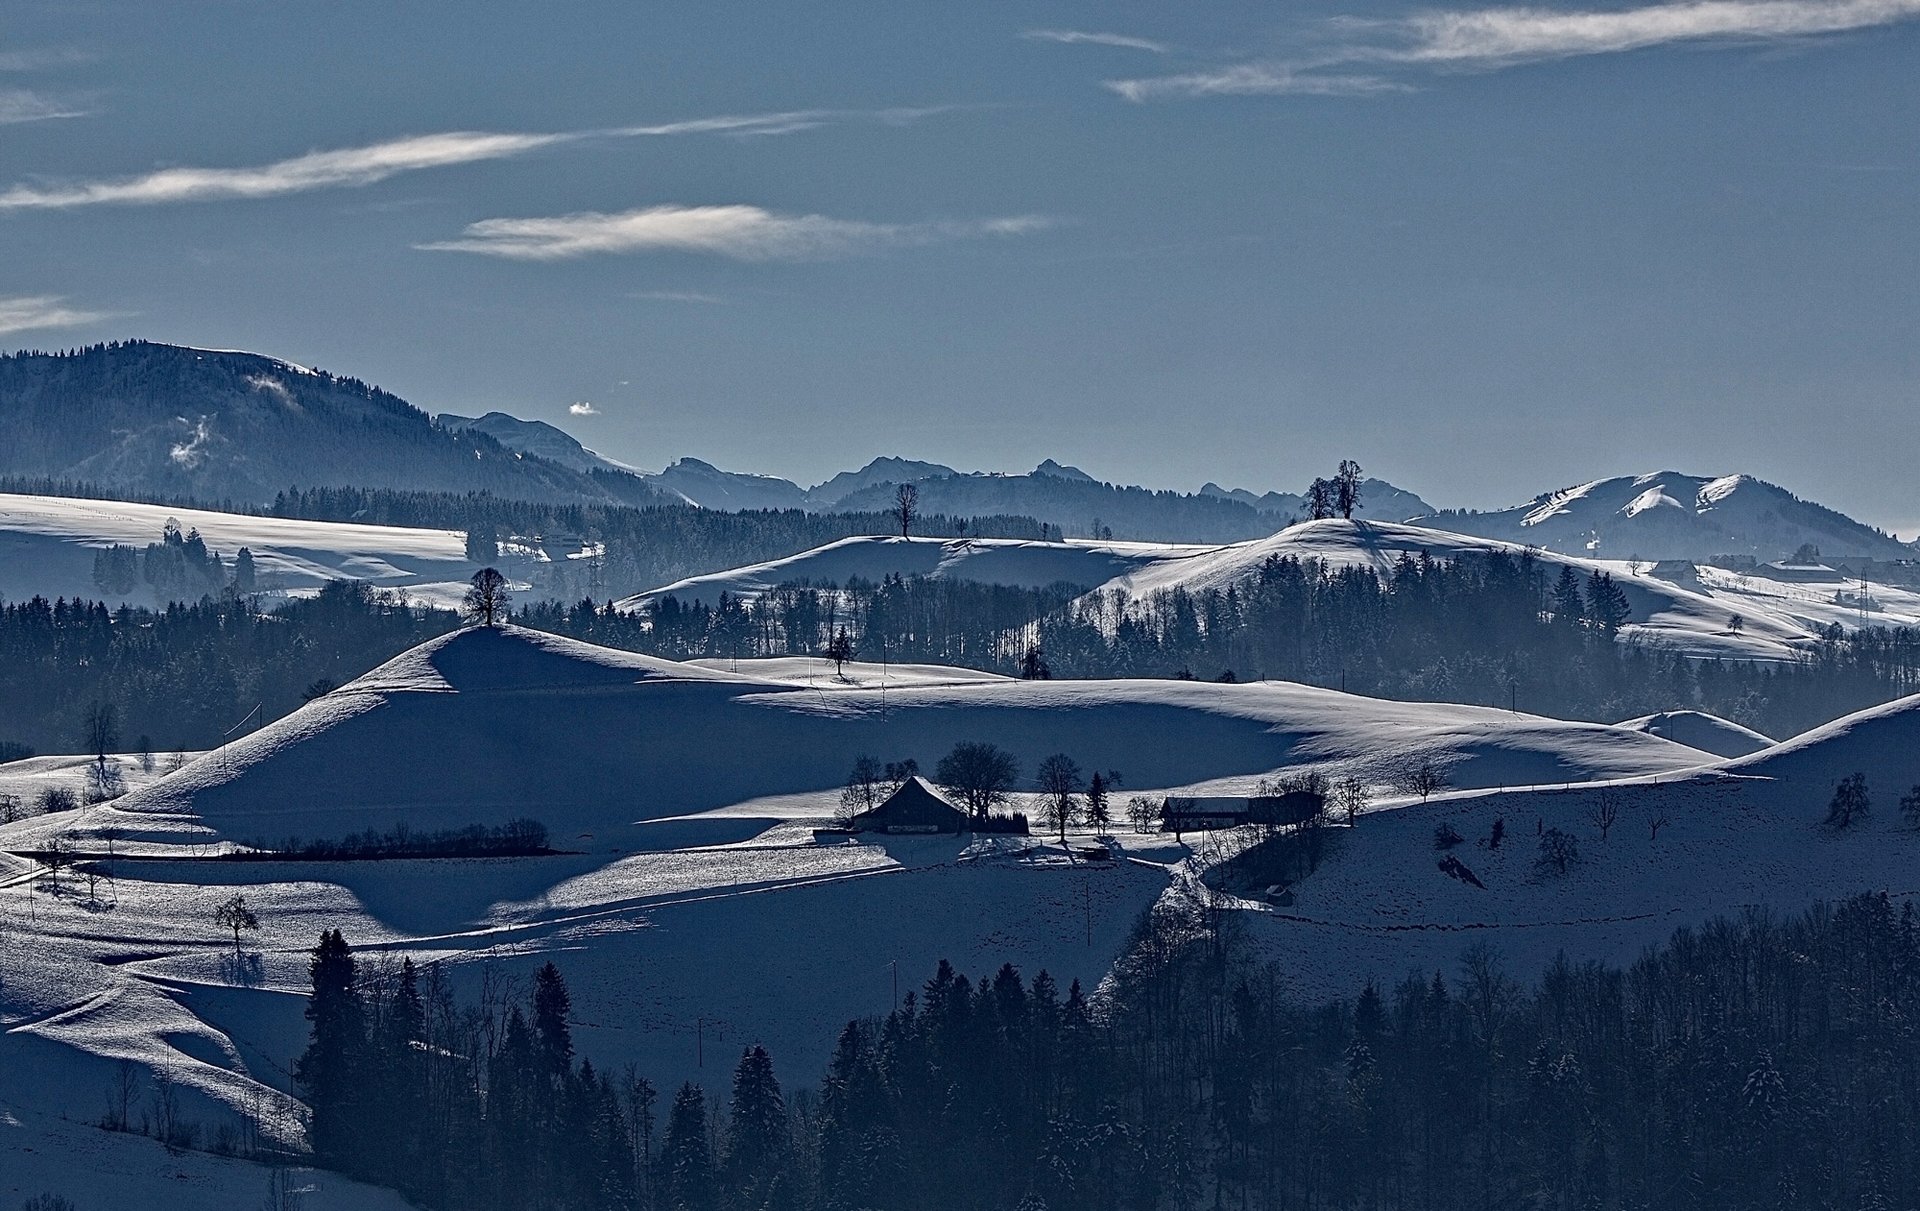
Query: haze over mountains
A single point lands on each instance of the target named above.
(144, 419)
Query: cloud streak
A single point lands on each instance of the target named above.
(24, 313)
(19, 105)
(360, 166)
(741, 233)
(1072, 37)
(1492, 38)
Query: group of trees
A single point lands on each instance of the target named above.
(189, 675)
(177, 568)
(1338, 496)
(1752, 1062)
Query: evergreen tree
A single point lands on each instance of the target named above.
(686, 1158)
(330, 1072)
(757, 1137)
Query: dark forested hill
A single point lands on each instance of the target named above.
(143, 418)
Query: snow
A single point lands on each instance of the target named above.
(1779, 621)
(694, 912)
(1003, 561)
(47, 546)
(1746, 834)
(1698, 729)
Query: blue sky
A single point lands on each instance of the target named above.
(1486, 251)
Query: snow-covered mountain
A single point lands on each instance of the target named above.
(142, 418)
(535, 437)
(708, 486)
(1668, 515)
(1379, 501)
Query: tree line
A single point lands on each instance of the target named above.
(1757, 1061)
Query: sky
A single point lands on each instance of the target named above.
(1485, 251)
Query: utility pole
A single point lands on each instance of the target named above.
(700, 1043)
(896, 984)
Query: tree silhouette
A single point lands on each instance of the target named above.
(234, 914)
(486, 599)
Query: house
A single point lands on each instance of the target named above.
(1787, 569)
(915, 808)
(1203, 813)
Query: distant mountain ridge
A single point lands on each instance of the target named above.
(1671, 515)
(143, 418)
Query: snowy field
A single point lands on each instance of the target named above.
(1747, 834)
(47, 546)
(694, 911)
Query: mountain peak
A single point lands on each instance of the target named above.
(1057, 471)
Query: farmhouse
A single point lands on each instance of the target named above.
(915, 808)
(1206, 812)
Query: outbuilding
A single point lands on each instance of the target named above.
(917, 807)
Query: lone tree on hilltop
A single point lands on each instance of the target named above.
(906, 507)
(1322, 500)
(978, 774)
(234, 914)
(1850, 801)
(100, 728)
(1060, 782)
(486, 599)
(1346, 488)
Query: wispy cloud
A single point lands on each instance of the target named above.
(358, 166)
(1491, 38)
(744, 233)
(21, 105)
(24, 313)
(44, 58)
(675, 296)
(582, 408)
(1076, 36)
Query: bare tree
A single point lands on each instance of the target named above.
(1321, 500)
(1353, 796)
(1346, 488)
(122, 1092)
(486, 599)
(1657, 819)
(906, 507)
(1142, 813)
(1604, 812)
(1060, 782)
(234, 914)
(1421, 776)
(1850, 801)
(978, 774)
(1910, 806)
(1558, 853)
(101, 728)
(862, 791)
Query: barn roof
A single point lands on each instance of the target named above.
(916, 803)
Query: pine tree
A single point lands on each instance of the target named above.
(330, 1071)
(757, 1120)
(686, 1160)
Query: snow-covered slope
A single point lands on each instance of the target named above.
(1697, 729)
(47, 546)
(535, 437)
(1745, 834)
(596, 743)
(1692, 610)
(1667, 515)
(1004, 561)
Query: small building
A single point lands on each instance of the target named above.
(917, 807)
(1787, 569)
(1203, 813)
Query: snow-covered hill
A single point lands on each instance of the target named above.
(1698, 729)
(1693, 610)
(1003, 561)
(1667, 515)
(1745, 835)
(48, 543)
